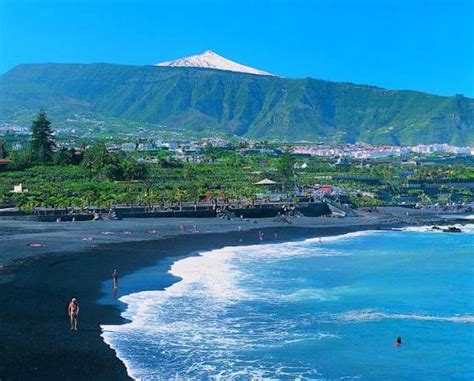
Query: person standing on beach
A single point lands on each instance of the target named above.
(115, 278)
(73, 312)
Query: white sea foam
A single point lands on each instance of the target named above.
(466, 228)
(343, 237)
(308, 294)
(373, 315)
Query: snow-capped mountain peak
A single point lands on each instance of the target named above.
(211, 60)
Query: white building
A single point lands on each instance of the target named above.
(128, 147)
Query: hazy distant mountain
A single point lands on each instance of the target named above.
(257, 106)
(211, 60)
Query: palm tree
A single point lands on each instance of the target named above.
(179, 196)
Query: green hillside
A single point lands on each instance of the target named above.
(253, 106)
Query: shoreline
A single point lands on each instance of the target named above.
(36, 336)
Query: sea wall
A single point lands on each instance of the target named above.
(257, 211)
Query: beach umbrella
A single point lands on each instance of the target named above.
(265, 182)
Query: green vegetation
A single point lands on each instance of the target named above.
(42, 141)
(104, 178)
(286, 170)
(3, 149)
(214, 102)
(102, 164)
(99, 177)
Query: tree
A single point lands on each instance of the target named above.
(189, 172)
(3, 150)
(134, 170)
(98, 161)
(113, 171)
(179, 196)
(42, 138)
(285, 167)
(63, 156)
(21, 160)
(95, 157)
(113, 165)
(425, 199)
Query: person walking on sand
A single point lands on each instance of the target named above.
(115, 278)
(73, 312)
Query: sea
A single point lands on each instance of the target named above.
(315, 309)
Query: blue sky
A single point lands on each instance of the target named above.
(420, 44)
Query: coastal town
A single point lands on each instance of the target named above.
(169, 176)
(148, 138)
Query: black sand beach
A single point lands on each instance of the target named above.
(35, 340)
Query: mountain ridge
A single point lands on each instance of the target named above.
(256, 106)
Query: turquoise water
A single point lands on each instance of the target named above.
(309, 310)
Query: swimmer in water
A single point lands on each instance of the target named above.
(398, 342)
